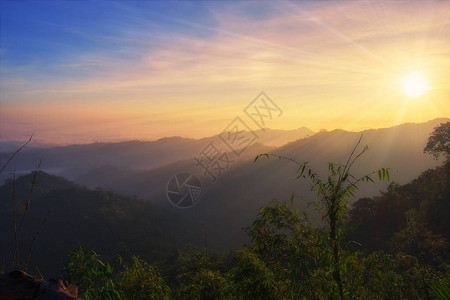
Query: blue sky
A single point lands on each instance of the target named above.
(46, 34)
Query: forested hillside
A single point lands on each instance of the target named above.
(394, 246)
(377, 222)
(62, 215)
(391, 246)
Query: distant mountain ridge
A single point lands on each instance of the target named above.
(73, 161)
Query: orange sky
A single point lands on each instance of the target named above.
(326, 65)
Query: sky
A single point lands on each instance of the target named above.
(80, 72)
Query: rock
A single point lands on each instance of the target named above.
(19, 285)
(55, 288)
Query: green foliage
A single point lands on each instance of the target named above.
(204, 284)
(199, 280)
(139, 280)
(284, 240)
(94, 278)
(373, 222)
(417, 240)
(254, 280)
(441, 290)
(378, 276)
(290, 258)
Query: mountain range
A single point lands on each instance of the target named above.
(72, 161)
(133, 178)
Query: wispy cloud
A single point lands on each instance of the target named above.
(328, 57)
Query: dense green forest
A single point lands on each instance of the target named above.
(393, 246)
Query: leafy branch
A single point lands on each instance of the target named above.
(332, 194)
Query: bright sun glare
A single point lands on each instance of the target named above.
(415, 84)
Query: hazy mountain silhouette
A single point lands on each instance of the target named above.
(399, 148)
(75, 160)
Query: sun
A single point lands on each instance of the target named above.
(415, 84)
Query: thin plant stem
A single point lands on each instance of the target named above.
(15, 153)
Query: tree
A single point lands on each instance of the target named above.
(140, 280)
(415, 239)
(94, 278)
(200, 282)
(439, 141)
(288, 245)
(333, 194)
(254, 280)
